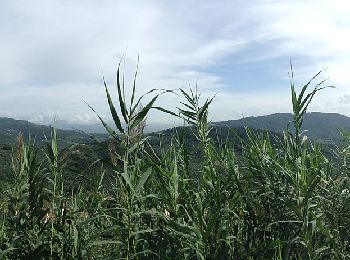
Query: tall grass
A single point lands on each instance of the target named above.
(277, 198)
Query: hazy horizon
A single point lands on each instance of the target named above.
(97, 127)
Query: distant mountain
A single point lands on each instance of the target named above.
(81, 166)
(10, 128)
(220, 135)
(323, 126)
(98, 127)
(320, 126)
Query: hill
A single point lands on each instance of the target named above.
(319, 126)
(10, 128)
(86, 153)
(81, 158)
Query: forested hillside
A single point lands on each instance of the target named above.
(319, 126)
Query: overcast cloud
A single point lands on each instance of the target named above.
(54, 53)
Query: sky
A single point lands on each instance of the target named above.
(53, 54)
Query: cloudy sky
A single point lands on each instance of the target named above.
(53, 54)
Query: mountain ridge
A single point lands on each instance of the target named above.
(10, 128)
(319, 125)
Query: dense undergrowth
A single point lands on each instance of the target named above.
(281, 199)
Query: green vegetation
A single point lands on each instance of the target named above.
(81, 155)
(9, 129)
(322, 127)
(271, 197)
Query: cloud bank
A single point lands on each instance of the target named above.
(54, 53)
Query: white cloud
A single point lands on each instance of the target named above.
(54, 52)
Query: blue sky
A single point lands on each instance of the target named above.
(53, 54)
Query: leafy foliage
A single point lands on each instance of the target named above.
(278, 198)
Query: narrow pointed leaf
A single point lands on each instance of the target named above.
(143, 179)
(134, 84)
(142, 114)
(113, 111)
(121, 101)
(109, 130)
(127, 180)
(166, 111)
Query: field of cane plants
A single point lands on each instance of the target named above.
(275, 199)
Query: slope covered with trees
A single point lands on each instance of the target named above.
(319, 126)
